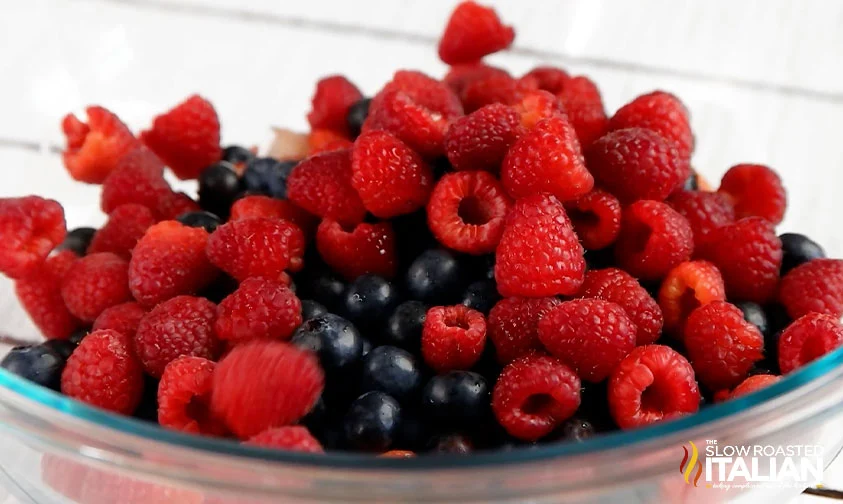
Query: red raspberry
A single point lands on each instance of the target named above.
(453, 337)
(704, 210)
(174, 204)
(322, 140)
(330, 103)
(186, 137)
(290, 438)
(93, 149)
(652, 383)
(459, 76)
(660, 112)
(539, 254)
(513, 325)
(596, 217)
(547, 159)
(369, 248)
(534, 395)
(322, 186)
(493, 89)
(399, 454)
(583, 106)
(618, 287)
(390, 178)
(590, 335)
(636, 164)
(184, 397)
(473, 31)
(169, 261)
(466, 211)
(753, 383)
(425, 91)
(271, 208)
(687, 287)
(808, 338)
(104, 372)
(40, 295)
(654, 238)
(126, 225)
(123, 318)
(480, 140)
(183, 325)
(815, 286)
(258, 309)
(722, 345)
(137, 178)
(549, 78)
(749, 255)
(257, 247)
(94, 283)
(30, 227)
(536, 105)
(756, 191)
(264, 384)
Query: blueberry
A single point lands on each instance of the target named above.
(404, 326)
(77, 337)
(481, 296)
(37, 363)
(575, 429)
(334, 339)
(218, 188)
(203, 219)
(356, 115)
(368, 300)
(372, 422)
(62, 347)
(798, 249)
(236, 154)
(393, 371)
(452, 444)
(268, 176)
(691, 183)
(77, 240)
(413, 433)
(412, 237)
(458, 398)
(321, 285)
(754, 314)
(435, 277)
(311, 309)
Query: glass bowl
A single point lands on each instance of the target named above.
(258, 65)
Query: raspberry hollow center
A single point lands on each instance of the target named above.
(538, 404)
(474, 211)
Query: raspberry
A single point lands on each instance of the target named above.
(550, 79)
(536, 105)
(123, 318)
(289, 438)
(390, 178)
(534, 395)
(103, 372)
(493, 89)
(513, 325)
(654, 239)
(617, 286)
(264, 384)
(473, 31)
(480, 140)
(539, 254)
(186, 137)
(169, 261)
(687, 287)
(808, 338)
(173, 205)
(815, 286)
(636, 164)
(547, 159)
(400, 454)
(583, 106)
(459, 76)
(453, 337)
(753, 383)
(95, 282)
(333, 97)
(30, 227)
(137, 178)
(423, 90)
(126, 225)
(93, 149)
(369, 248)
(183, 325)
(466, 211)
(40, 295)
(322, 186)
(256, 247)
(756, 191)
(662, 113)
(184, 397)
(705, 211)
(590, 335)
(721, 345)
(272, 208)
(323, 140)
(748, 254)
(651, 384)
(259, 308)
(596, 218)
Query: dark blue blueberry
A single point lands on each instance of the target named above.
(236, 154)
(754, 314)
(311, 309)
(38, 363)
(62, 347)
(268, 176)
(147, 409)
(335, 341)
(798, 249)
(404, 327)
(218, 188)
(202, 219)
(412, 237)
(220, 288)
(393, 371)
(576, 429)
(481, 296)
(372, 422)
(413, 433)
(458, 398)
(368, 301)
(691, 183)
(321, 285)
(451, 444)
(480, 267)
(76, 337)
(357, 114)
(435, 277)
(77, 240)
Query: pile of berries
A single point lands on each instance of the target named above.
(476, 262)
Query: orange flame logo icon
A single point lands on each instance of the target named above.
(686, 467)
